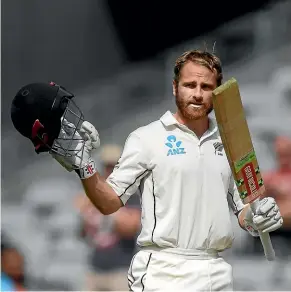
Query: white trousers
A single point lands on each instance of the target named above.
(153, 270)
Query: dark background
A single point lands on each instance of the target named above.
(146, 28)
(79, 44)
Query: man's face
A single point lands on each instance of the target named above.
(194, 91)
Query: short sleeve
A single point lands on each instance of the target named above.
(131, 168)
(233, 198)
(135, 200)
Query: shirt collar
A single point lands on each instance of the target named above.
(168, 119)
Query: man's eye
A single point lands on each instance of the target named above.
(207, 87)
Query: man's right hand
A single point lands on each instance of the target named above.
(73, 149)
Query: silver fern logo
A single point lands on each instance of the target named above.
(218, 148)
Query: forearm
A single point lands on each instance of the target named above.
(285, 209)
(100, 193)
(127, 222)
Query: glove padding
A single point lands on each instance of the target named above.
(267, 217)
(73, 149)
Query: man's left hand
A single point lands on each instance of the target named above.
(267, 217)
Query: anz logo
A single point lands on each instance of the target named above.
(174, 146)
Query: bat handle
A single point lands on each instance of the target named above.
(265, 237)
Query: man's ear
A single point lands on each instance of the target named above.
(174, 84)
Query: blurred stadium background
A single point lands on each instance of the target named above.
(117, 57)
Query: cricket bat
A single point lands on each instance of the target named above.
(236, 138)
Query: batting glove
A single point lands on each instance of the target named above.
(266, 219)
(73, 148)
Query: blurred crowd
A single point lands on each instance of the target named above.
(110, 241)
(278, 185)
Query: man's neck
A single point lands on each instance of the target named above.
(199, 127)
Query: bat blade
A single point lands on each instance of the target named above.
(239, 149)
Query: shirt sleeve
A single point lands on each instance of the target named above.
(135, 200)
(233, 198)
(131, 168)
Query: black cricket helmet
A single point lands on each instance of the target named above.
(38, 112)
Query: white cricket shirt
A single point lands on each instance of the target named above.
(185, 183)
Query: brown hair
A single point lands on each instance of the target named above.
(203, 58)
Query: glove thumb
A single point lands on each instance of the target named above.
(89, 133)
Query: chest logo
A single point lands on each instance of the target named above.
(218, 147)
(174, 146)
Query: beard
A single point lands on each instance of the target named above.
(191, 113)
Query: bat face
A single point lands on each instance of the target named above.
(237, 141)
(248, 178)
(239, 149)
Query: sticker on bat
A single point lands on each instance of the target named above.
(250, 157)
(249, 175)
(247, 180)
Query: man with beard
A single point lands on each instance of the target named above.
(180, 167)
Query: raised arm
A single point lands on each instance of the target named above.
(101, 194)
(111, 194)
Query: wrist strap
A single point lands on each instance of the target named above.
(251, 229)
(88, 170)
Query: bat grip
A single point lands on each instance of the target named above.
(265, 237)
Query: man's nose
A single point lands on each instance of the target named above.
(198, 94)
